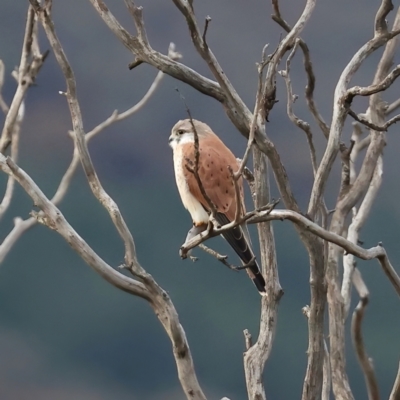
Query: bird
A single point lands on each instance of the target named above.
(215, 159)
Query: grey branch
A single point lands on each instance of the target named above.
(256, 355)
(358, 342)
(284, 46)
(303, 125)
(30, 64)
(149, 289)
(379, 128)
(377, 252)
(340, 112)
(52, 217)
(277, 17)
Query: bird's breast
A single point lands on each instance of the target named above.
(190, 202)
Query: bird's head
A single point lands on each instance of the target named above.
(183, 132)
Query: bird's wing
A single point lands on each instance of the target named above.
(215, 177)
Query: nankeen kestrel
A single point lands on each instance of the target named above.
(214, 160)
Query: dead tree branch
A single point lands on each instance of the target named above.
(358, 342)
(30, 65)
(291, 98)
(257, 355)
(156, 296)
(277, 17)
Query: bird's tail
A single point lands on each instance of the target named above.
(237, 239)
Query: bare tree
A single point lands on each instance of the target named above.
(330, 237)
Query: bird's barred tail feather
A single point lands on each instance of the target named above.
(237, 240)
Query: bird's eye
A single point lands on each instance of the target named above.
(181, 131)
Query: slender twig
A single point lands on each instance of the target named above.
(209, 233)
(277, 17)
(5, 203)
(238, 196)
(54, 219)
(3, 105)
(358, 342)
(284, 46)
(340, 113)
(303, 125)
(392, 107)
(220, 257)
(22, 226)
(375, 127)
(374, 88)
(30, 65)
(256, 113)
(357, 223)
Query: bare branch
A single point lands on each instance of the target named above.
(395, 394)
(339, 115)
(377, 252)
(54, 219)
(289, 108)
(3, 105)
(79, 137)
(219, 257)
(277, 17)
(27, 73)
(209, 233)
(284, 46)
(5, 203)
(370, 125)
(374, 88)
(358, 342)
(392, 107)
(357, 223)
(256, 355)
(158, 298)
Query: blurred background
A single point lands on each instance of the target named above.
(67, 334)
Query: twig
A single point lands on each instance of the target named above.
(3, 105)
(5, 203)
(27, 73)
(247, 339)
(95, 185)
(219, 257)
(392, 107)
(375, 127)
(54, 219)
(277, 17)
(284, 46)
(357, 223)
(207, 22)
(256, 113)
(377, 252)
(340, 112)
(374, 88)
(358, 342)
(238, 197)
(203, 236)
(289, 108)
